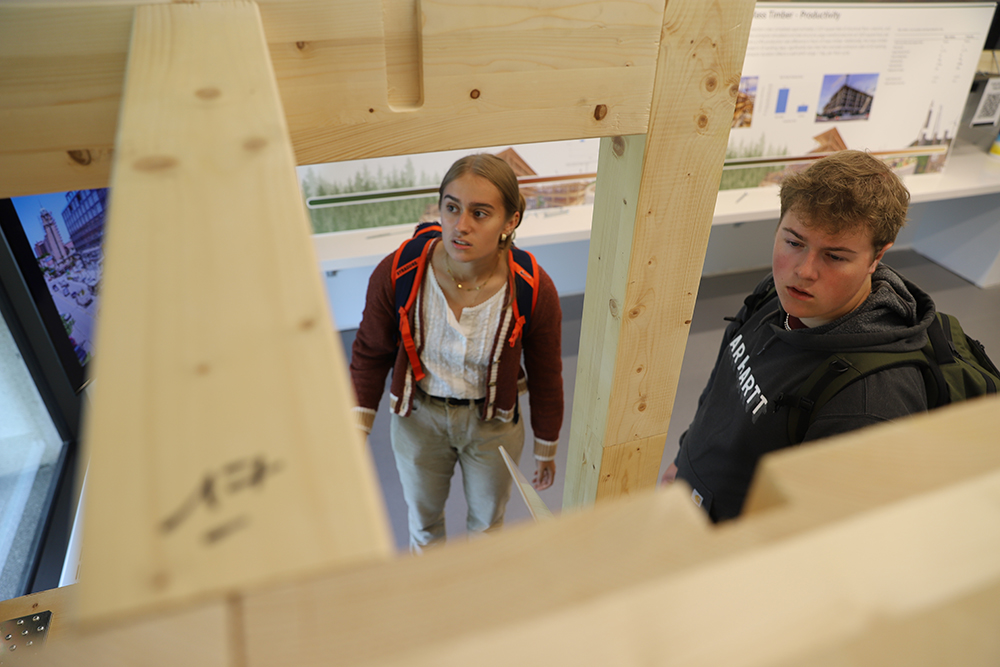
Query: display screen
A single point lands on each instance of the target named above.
(56, 241)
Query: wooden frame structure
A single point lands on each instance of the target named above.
(233, 517)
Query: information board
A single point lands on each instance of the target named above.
(891, 79)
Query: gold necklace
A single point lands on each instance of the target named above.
(447, 267)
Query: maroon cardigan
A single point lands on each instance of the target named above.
(376, 349)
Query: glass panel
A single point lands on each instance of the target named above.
(30, 457)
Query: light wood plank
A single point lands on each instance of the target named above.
(619, 171)
(867, 591)
(219, 452)
(492, 74)
(665, 570)
(542, 71)
(195, 636)
(665, 573)
(870, 468)
(697, 79)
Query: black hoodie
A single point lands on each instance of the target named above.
(738, 420)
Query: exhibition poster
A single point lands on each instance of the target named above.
(891, 79)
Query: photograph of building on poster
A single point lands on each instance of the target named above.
(65, 231)
(403, 189)
(891, 79)
(846, 97)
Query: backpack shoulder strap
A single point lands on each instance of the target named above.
(753, 303)
(524, 284)
(834, 374)
(408, 266)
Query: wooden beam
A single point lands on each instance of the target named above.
(639, 316)
(218, 451)
(529, 71)
(892, 559)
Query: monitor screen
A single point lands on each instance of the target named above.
(56, 242)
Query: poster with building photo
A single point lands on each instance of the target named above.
(891, 79)
(65, 231)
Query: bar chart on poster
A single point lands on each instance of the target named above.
(820, 77)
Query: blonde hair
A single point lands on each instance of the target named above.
(848, 191)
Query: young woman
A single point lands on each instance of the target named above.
(460, 403)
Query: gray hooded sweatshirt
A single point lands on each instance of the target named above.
(739, 416)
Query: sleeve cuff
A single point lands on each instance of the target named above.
(364, 418)
(545, 450)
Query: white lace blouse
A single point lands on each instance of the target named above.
(456, 353)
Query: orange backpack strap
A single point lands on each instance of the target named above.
(408, 266)
(524, 282)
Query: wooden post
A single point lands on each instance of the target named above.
(642, 286)
(221, 397)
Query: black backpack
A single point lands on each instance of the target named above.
(954, 365)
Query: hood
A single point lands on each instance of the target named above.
(894, 318)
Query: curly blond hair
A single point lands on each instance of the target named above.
(848, 191)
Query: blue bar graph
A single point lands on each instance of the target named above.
(782, 100)
(803, 108)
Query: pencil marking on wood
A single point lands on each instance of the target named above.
(218, 486)
(225, 530)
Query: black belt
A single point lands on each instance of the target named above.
(447, 400)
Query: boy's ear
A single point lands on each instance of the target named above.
(878, 258)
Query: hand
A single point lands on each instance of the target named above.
(545, 474)
(669, 475)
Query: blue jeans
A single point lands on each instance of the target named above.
(429, 442)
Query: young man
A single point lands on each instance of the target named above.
(833, 295)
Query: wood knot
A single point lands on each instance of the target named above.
(734, 90)
(153, 163)
(635, 312)
(474, 94)
(640, 369)
(613, 307)
(600, 111)
(254, 144)
(641, 407)
(209, 93)
(82, 157)
(371, 110)
(618, 146)
(159, 581)
(702, 122)
(687, 321)
(711, 83)
(307, 324)
(301, 46)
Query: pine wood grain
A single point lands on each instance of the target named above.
(619, 172)
(697, 79)
(219, 455)
(488, 75)
(819, 575)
